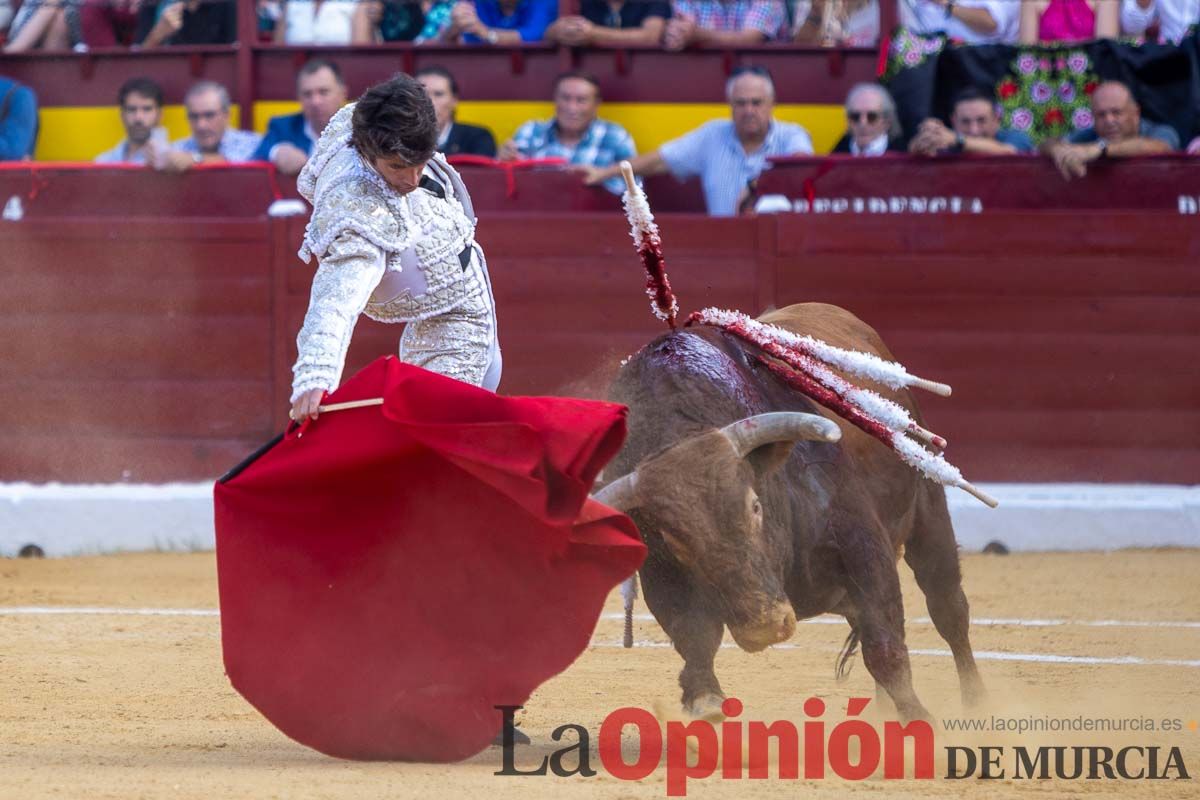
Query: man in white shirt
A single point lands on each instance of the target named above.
(972, 21)
(726, 154)
(1174, 17)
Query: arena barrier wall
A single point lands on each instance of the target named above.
(148, 322)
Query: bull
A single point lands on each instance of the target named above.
(759, 507)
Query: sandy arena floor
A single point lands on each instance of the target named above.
(101, 705)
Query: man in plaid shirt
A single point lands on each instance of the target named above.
(727, 23)
(575, 133)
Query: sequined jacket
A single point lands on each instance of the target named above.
(395, 257)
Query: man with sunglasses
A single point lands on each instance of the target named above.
(212, 140)
(871, 119)
(726, 154)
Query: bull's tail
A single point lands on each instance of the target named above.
(845, 659)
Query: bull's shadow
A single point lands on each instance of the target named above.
(759, 507)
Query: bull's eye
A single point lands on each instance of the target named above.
(757, 508)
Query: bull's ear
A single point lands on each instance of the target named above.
(768, 458)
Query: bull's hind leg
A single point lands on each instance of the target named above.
(873, 587)
(932, 553)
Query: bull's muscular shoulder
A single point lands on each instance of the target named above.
(829, 323)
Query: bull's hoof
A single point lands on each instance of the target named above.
(706, 707)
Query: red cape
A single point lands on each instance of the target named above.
(395, 573)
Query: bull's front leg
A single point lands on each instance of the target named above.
(697, 638)
(696, 634)
(873, 588)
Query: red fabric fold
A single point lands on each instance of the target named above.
(390, 577)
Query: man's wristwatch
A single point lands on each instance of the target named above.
(491, 36)
(960, 143)
(1103, 145)
(197, 158)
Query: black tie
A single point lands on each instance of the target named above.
(433, 187)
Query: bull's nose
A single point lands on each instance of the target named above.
(777, 626)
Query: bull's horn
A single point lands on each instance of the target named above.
(620, 494)
(751, 433)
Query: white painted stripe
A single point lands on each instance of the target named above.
(981, 655)
(826, 619)
(99, 611)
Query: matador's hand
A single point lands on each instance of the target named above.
(307, 406)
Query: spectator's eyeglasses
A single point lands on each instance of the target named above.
(858, 116)
(196, 116)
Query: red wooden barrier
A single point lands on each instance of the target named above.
(154, 347)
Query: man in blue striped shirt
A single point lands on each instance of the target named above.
(575, 133)
(726, 154)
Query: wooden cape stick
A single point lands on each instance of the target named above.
(372, 401)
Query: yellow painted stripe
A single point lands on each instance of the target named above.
(81, 133)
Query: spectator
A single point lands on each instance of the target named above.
(575, 133)
(833, 23)
(724, 23)
(613, 23)
(871, 117)
(454, 137)
(971, 21)
(290, 139)
(109, 23)
(976, 129)
(401, 21)
(726, 154)
(44, 25)
(141, 102)
(187, 22)
(1119, 132)
(1174, 17)
(316, 22)
(212, 140)
(376, 21)
(18, 121)
(500, 21)
(1068, 20)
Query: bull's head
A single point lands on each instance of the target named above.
(704, 497)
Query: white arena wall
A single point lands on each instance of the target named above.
(69, 520)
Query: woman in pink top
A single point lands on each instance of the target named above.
(1047, 21)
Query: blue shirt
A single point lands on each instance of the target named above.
(1015, 138)
(713, 152)
(290, 129)
(120, 155)
(603, 143)
(18, 126)
(236, 146)
(1147, 130)
(530, 18)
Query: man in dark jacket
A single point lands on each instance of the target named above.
(18, 121)
(454, 138)
(872, 125)
(290, 139)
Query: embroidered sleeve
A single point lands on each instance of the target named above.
(349, 271)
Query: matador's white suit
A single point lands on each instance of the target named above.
(400, 258)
